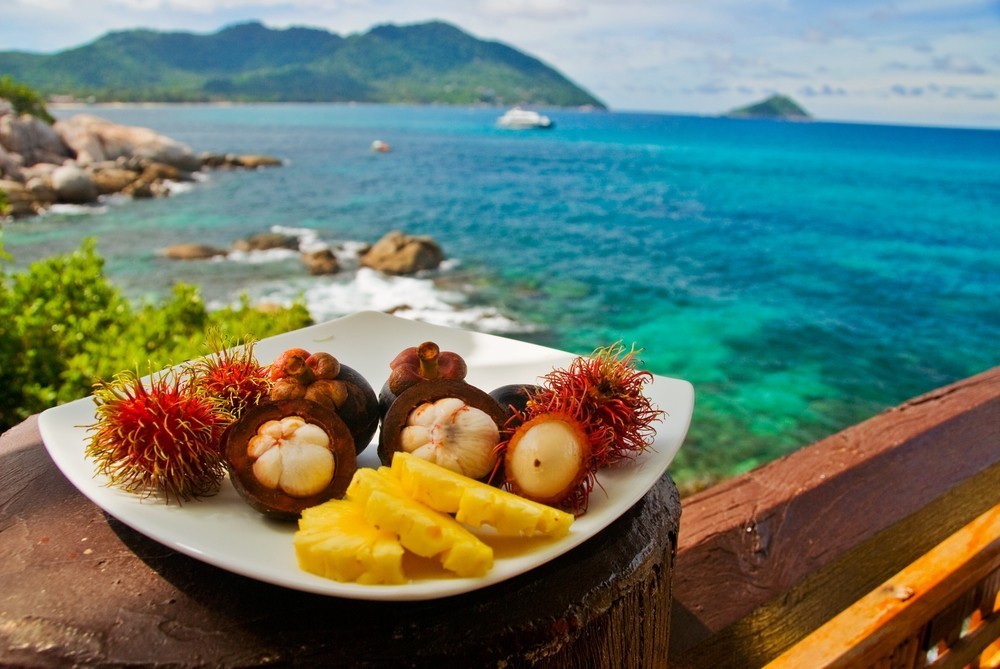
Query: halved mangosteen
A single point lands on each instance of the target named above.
(448, 422)
(322, 378)
(287, 455)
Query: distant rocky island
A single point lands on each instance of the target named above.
(428, 63)
(776, 106)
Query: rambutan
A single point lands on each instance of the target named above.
(578, 420)
(160, 436)
(605, 391)
(233, 375)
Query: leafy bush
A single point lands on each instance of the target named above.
(24, 99)
(63, 325)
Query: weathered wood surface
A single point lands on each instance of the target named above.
(898, 612)
(767, 557)
(79, 588)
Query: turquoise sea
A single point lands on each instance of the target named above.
(803, 276)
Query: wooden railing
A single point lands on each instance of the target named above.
(770, 559)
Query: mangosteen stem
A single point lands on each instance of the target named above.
(296, 368)
(428, 353)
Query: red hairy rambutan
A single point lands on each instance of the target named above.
(605, 391)
(233, 375)
(580, 419)
(159, 436)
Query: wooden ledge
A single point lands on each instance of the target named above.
(896, 614)
(767, 557)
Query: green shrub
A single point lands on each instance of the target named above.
(63, 325)
(24, 99)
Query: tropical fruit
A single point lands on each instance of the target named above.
(335, 541)
(420, 529)
(476, 503)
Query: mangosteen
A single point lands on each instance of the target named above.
(287, 455)
(417, 364)
(513, 398)
(321, 378)
(448, 422)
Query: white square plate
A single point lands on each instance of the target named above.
(223, 531)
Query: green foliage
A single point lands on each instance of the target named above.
(25, 101)
(425, 63)
(63, 325)
(3, 203)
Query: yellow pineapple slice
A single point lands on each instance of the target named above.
(420, 529)
(335, 541)
(476, 503)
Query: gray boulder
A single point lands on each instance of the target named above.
(33, 139)
(95, 139)
(10, 165)
(72, 184)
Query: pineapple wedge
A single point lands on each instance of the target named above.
(334, 541)
(476, 503)
(420, 529)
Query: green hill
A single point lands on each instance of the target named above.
(424, 63)
(776, 106)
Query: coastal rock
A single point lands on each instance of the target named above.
(398, 253)
(230, 160)
(266, 241)
(10, 165)
(72, 184)
(253, 162)
(81, 158)
(33, 139)
(189, 251)
(20, 201)
(41, 189)
(95, 139)
(320, 262)
(142, 189)
(112, 179)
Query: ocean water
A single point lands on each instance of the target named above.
(803, 276)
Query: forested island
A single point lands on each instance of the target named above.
(776, 106)
(428, 63)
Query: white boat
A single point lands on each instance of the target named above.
(524, 119)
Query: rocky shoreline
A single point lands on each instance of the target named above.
(396, 253)
(83, 158)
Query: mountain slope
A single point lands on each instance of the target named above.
(425, 63)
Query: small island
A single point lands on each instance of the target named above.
(776, 107)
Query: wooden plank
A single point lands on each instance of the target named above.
(883, 619)
(767, 557)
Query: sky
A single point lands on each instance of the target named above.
(913, 62)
